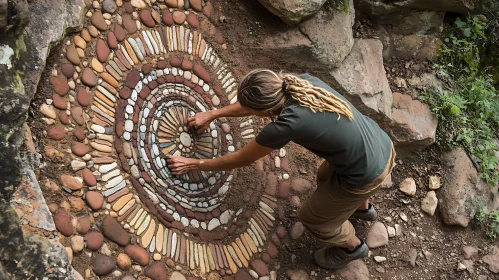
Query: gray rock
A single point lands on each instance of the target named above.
(355, 270)
(429, 203)
(362, 79)
(331, 34)
(377, 236)
(293, 11)
(109, 6)
(464, 191)
(413, 124)
(408, 186)
(317, 44)
(493, 262)
(297, 274)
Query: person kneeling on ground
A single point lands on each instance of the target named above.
(357, 154)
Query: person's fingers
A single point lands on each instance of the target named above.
(202, 129)
(191, 121)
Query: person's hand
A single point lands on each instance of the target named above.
(200, 121)
(182, 165)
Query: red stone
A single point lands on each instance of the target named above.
(111, 40)
(281, 231)
(132, 79)
(146, 18)
(77, 114)
(152, 84)
(63, 222)
(59, 103)
(146, 68)
(88, 77)
(201, 73)
(129, 24)
(156, 271)
(128, 7)
(208, 9)
(138, 254)
(178, 17)
(56, 132)
(89, 178)
(196, 5)
(63, 117)
(186, 65)
(67, 69)
(103, 265)
(94, 240)
(167, 17)
(260, 267)
(271, 250)
(99, 21)
(79, 133)
(283, 189)
(192, 20)
(79, 149)
(266, 257)
(102, 50)
(125, 93)
(175, 62)
(60, 85)
(119, 33)
(242, 275)
(84, 223)
(82, 97)
(219, 38)
(162, 64)
(113, 231)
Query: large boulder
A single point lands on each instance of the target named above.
(413, 46)
(293, 11)
(362, 79)
(413, 123)
(463, 191)
(317, 44)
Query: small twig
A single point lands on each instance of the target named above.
(475, 164)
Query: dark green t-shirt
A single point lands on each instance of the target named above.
(358, 148)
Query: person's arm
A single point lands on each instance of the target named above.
(201, 120)
(247, 155)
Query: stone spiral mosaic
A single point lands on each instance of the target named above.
(123, 92)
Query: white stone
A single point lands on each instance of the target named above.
(379, 259)
(129, 125)
(391, 231)
(214, 223)
(408, 186)
(429, 203)
(434, 182)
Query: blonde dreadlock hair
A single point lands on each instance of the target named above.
(265, 90)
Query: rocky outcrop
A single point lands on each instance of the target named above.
(27, 32)
(362, 79)
(413, 124)
(463, 190)
(318, 43)
(293, 11)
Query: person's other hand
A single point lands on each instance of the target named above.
(200, 121)
(181, 165)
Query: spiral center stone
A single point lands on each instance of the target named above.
(185, 139)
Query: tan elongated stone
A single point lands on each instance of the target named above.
(136, 217)
(165, 241)
(211, 259)
(239, 254)
(96, 65)
(159, 238)
(131, 53)
(242, 248)
(127, 206)
(139, 220)
(144, 225)
(101, 148)
(251, 243)
(148, 235)
(232, 264)
(202, 266)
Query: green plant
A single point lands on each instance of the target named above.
(468, 108)
(489, 222)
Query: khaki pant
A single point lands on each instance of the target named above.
(325, 213)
